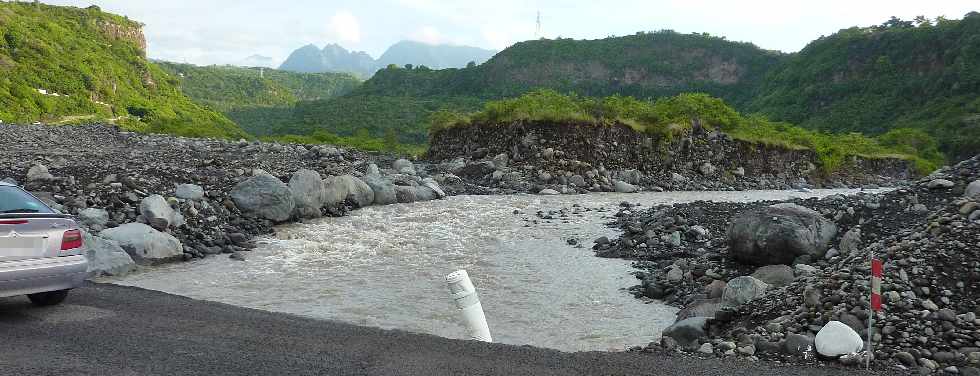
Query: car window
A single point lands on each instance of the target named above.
(15, 200)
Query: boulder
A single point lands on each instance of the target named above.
(355, 189)
(851, 241)
(404, 166)
(548, 192)
(106, 257)
(775, 275)
(707, 169)
(940, 184)
(624, 187)
(577, 180)
(384, 189)
(308, 193)
(158, 213)
(93, 218)
(973, 189)
(778, 234)
(144, 244)
(434, 186)
(687, 332)
(836, 339)
(740, 290)
(334, 191)
(38, 172)
(189, 192)
(264, 196)
(423, 193)
(405, 194)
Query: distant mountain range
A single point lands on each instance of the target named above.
(334, 58)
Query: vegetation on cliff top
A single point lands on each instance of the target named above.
(67, 65)
(670, 116)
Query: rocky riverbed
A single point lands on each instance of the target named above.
(789, 281)
(149, 199)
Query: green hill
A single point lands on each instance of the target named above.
(643, 65)
(257, 99)
(921, 74)
(68, 65)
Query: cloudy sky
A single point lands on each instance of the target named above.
(228, 31)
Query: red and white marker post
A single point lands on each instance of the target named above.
(876, 271)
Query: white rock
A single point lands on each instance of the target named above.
(940, 184)
(38, 172)
(144, 244)
(548, 192)
(157, 212)
(836, 339)
(740, 290)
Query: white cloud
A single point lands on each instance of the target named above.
(344, 27)
(428, 34)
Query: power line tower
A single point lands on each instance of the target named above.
(537, 30)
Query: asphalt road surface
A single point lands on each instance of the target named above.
(114, 330)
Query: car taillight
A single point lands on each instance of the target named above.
(14, 222)
(71, 240)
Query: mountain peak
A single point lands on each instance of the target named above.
(335, 58)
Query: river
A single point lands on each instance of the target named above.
(385, 267)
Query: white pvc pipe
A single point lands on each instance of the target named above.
(468, 304)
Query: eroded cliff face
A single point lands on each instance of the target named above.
(132, 33)
(701, 160)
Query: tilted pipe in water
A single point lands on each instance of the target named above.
(468, 303)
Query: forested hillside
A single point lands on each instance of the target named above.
(67, 65)
(920, 74)
(259, 100)
(644, 65)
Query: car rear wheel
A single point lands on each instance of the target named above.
(48, 298)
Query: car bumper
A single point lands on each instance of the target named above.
(41, 275)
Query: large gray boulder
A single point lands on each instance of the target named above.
(836, 339)
(778, 234)
(144, 244)
(359, 192)
(158, 213)
(308, 193)
(405, 194)
(424, 193)
(701, 308)
(93, 218)
(264, 196)
(106, 257)
(334, 191)
(973, 189)
(687, 331)
(851, 241)
(189, 192)
(741, 290)
(384, 189)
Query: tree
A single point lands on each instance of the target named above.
(471, 64)
(921, 21)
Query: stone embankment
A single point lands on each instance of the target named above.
(147, 199)
(791, 280)
(552, 158)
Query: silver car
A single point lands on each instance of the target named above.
(41, 252)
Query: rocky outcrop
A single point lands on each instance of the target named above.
(591, 158)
